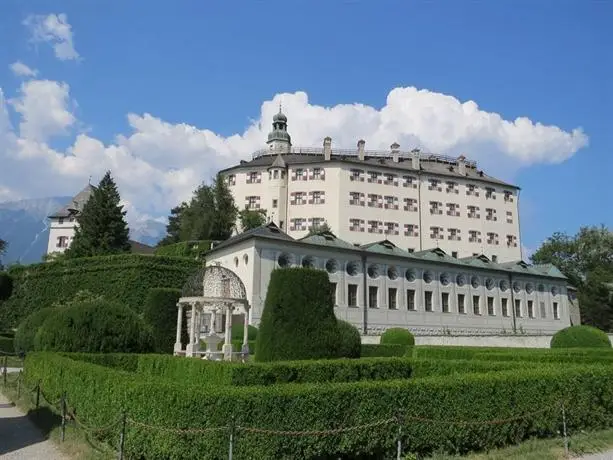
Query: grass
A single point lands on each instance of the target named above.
(544, 449)
(76, 443)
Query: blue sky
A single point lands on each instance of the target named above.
(216, 67)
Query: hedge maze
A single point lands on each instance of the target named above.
(454, 399)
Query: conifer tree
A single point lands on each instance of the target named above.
(102, 226)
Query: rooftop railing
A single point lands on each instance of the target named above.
(319, 151)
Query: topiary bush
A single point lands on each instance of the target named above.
(238, 332)
(160, 312)
(580, 337)
(6, 285)
(298, 320)
(94, 327)
(350, 343)
(24, 337)
(397, 336)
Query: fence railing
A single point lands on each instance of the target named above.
(62, 408)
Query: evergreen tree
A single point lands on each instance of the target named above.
(102, 226)
(226, 211)
(252, 218)
(173, 229)
(3, 246)
(196, 220)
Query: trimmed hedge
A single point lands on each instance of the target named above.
(580, 337)
(160, 312)
(397, 336)
(298, 321)
(238, 332)
(192, 249)
(373, 350)
(94, 327)
(6, 285)
(6, 344)
(543, 355)
(123, 278)
(220, 373)
(350, 342)
(24, 337)
(99, 395)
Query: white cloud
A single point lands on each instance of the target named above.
(158, 164)
(55, 30)
(44, 109)
(22, 70)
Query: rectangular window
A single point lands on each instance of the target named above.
(494, 258)
(504, 307)
(428, 295)
(556, 311)
(352, 295)
(476, 305)
(517, 308)
(543, 311)
(461, 304)
(392, 301)
(530, 309)
(410, 299)
(60, 220)
(275, 174)
(333, 292)
(490, 306)
(454, 254)
(275, 203)
(372, 296)
(62, 242)
(445, 302)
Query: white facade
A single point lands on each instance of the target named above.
(62, 223)
(379, 286)
(418, 201)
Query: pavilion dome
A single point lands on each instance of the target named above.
(214, 282)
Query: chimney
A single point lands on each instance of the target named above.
(327, 148)
(415, 159)
(462, 165)
(395, 152)
(361, 144)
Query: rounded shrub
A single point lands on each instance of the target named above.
(24, 337)
(580, 337)
(298, 320)
(397, 336)
(350, 344)
(160, 312)
(94, 327)
(6, 285)
(238, 332)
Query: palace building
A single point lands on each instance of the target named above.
(416, 200)
(379, 285)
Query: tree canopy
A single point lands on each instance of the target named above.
(210, 215)
(586, 259)
(102, 226)
(317, 229)
(252, 218)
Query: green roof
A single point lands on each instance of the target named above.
(387, 248)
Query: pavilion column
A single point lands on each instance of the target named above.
(194, 342)
(246, 327)
(227, 346)
(178, 344)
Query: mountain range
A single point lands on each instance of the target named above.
(25, 227)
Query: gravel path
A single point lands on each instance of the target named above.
(603, 456)
(20, 439)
